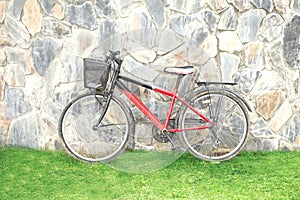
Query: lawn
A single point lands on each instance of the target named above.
(34, 174)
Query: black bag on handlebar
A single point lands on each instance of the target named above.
(96, 73)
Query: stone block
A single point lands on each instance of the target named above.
(82, 15)
(2, 10)
(18, 32)
(55, 28)
(266, 4)
(241, 5)
(32, 16)
(260, 129)
(5, 39)
(15, 8)
(53, 8)
(43, 52)
(14, 75)
(20, 57)
(157, 11)
(229, 41)
(106, 8)
(2, 87)
(229, 66)
(246, 77)
(228, 20)
(2, 57)
(26, 132)
(249, 24)
(292, 130)
(15, 103)
(268, 103)
(295, 5)
(139, 70)
(291, 42)
(271, 28)
(281, 117)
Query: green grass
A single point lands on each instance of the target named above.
(32, 174)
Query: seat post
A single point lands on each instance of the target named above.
(179, 77)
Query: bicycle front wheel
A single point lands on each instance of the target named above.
(86, 140)
(223, 140)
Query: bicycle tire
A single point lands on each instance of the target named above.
(222, 141)
(83, 140)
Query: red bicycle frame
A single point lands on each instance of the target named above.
(152, 117)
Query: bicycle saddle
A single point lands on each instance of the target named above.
(180, 70)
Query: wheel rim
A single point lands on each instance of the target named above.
(89, 144)
(222, 141)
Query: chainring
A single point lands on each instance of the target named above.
(161, 136)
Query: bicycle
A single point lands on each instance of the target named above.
(211, 122)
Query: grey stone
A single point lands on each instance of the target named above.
(260, 144)
(178, 5)
(5, 39)
(219, 6)
(77, 2)
(271, 28)
(125, 7)
(18, 32)
(168, 41)
(14, 75)
(292, 130)
(228, 20)
(43, 52)
(109, 37)
(177, 23)
(48, 5)
(210, 71)
(246, 79)
(157, 11)
(260, 129)
(265, 4)
(2, 57)
(106, 8)
(275, 53)
(209, 18)
(15, 8)
(295, 5)
(15, 103)
(82, 15)
(51, 112)
(26, 132)
(194, 6)
(229, 66)
(65, 92)
(137, 69)
(291, 42)
(21, 58)
(241, 5)
(249, 24)
(53, 8)
(198, 37)
(55, 28)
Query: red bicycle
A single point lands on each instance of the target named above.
(211, 122)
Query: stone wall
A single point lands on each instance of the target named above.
(255, 43)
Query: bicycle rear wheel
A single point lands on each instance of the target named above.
(227, 137)
(87, 142)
